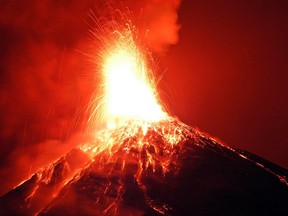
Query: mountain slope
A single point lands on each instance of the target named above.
(156, 169)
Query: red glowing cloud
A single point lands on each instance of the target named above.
(46, 80)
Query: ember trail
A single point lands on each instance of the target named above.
(128, 92)
(129, 103)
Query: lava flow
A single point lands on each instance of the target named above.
(144, 162)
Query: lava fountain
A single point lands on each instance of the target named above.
(145, 162)
(128, 91)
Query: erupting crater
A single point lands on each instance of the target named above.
(145, 162)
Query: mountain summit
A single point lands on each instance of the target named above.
(161, 168)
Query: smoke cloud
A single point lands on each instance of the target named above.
(160, 19)
(45, 80)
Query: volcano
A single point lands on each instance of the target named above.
(164, 168)
(145, 162)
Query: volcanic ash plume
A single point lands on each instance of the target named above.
(144, 162)
(161, 17)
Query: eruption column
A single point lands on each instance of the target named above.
(128, 87)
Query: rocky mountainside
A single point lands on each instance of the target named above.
(162, 168)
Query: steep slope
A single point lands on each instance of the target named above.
(163, 168)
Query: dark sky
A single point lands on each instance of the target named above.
(227, 75)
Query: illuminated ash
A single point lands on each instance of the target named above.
(164, 168)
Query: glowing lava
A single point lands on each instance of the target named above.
(128, 88)
(146, 163)
(129, 92)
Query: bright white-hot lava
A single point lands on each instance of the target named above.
(128, 90)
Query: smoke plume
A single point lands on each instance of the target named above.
(45, 80)
(160, 19)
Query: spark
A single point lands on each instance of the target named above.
(129, 93)
(128, 90)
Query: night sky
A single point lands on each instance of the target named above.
(225, 71)
(228, 75)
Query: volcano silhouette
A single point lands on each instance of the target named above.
(176, 170)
